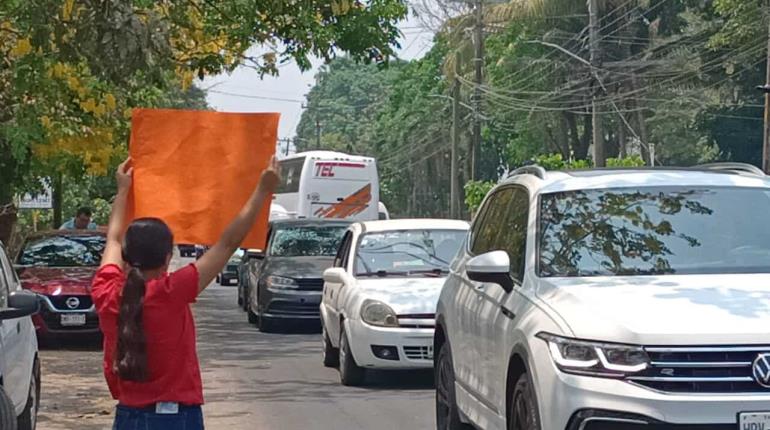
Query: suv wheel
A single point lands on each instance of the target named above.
(523, 414)
(351, 374)
(331, 355)
(447, 414)
(7, 412)
(28, 418)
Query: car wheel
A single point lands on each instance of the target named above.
(266, 325)
(351, 374)
(28, 418)
(447, 413)
(330, 353)
(7, 412)
(523, 414)
(240, 298)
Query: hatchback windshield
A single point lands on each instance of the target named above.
(654, 230)
(63, 251)
(407, 252)
(306, 241)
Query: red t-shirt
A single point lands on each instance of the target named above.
(174, 373)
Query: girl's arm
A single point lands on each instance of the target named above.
(215, 259)
(113, 249)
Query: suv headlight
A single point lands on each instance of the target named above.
(280, 283)
(379, 314)
(595, 358)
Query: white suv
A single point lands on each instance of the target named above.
(19, 362)
(611, 299)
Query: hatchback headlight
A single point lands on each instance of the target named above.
(379, 314)
(595, 358)
(280, 283)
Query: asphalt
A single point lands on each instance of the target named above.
(252, 380)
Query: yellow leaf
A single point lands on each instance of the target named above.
(88, 105)
(335, 8)
(66, 11)
(46, 121)
(73, 83)
(109, 99)
(127, 113)
(22, 48)
(99, 110)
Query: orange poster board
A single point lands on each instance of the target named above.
(196, 169)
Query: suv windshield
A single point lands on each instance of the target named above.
(654, 231)
(63, 251)
(407, 252)
(306, 241)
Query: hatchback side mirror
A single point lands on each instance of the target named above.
(20, 304)
(335, 275)
(256, 255)
(493, 267)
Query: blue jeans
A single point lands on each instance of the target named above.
(188, 418)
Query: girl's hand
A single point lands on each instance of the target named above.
(124, 175)
(271, 176)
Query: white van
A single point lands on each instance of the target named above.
(325, 184)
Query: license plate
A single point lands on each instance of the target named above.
(69, 320)
(754, 421)
(233, 282)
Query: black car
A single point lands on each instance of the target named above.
(229, 275)
(186, 250)
(248, 267)
(290, 275)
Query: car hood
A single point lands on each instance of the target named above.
(663, 310)
(55, 281)
(404, 295)
(296, 267)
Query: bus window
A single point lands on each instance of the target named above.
(291, 172)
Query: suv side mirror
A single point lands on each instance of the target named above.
(335, 275)
(494, 267)
(256, 255)
(20, 304)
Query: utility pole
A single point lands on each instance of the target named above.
(454, 197)
(317, 132)
(478, 63)
(600, 155)
(766, 89)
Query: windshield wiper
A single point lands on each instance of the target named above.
(382, 274)
(430, 272)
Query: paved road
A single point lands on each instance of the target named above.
(251, 381)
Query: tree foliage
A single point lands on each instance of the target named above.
(73, 69)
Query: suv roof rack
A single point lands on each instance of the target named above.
(738, 168)
(532, 169)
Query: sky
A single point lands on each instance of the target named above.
(244, 91)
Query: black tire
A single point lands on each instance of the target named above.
(7, 412)
(447, 413)
(266, 325)
(331, 354)
(253, 318)
(28, 418)
(523, 413)
(246, 298)
(351, 374)
(240, 298)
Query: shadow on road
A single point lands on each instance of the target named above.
(71, 343)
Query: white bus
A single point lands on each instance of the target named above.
(325, 184)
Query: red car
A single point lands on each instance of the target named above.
(58, 266)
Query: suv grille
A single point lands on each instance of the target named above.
(701, 369)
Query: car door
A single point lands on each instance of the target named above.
(471, 350)
(15, 340)
(331, 292)
(498, 308)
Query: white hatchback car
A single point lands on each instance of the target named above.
(611, 299)
(379, 299)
